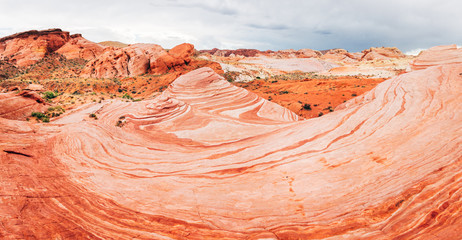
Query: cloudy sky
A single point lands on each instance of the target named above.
(262, 24)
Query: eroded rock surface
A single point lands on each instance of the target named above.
(209, 160)
(123, 62)
(79, 47)
(382, 53)
(20, 106)
(138, 59)
(177, 57)
(26, 48)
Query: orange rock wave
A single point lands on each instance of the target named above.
(208, 160)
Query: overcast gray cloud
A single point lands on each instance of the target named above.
(263, 24)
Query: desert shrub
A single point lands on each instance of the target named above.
(40, 116)
(230, 76)
(120, 123)
(307, 106)
(127, 96)
(50, 95)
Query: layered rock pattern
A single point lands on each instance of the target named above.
(209, 160)
(20, 106)
(437, 56)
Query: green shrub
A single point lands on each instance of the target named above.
(307, 106)
(127, 96)
(40, 116)
(50, 95)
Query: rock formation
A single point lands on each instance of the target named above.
(176, 57)
(20, 106)
(79, 47)
(138, 59)
(437, 56)
(288, 53)
(26, 48)
(228, 53)
(123, 62)
(382, 53)
(206, 160)
(341, 55)
(291, 64)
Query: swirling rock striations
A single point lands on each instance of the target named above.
(209, 160)
(20, 106)
(437, 56)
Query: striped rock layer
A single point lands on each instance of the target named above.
(208, 160)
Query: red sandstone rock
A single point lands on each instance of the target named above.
(26, 48)
(308, 53)
(437, 56)
(340, 55)
(133, 60)
(79, 47)
(138, 59)
(289, 53)
(20, 106)
(382, 53)
(176, 57)
(237, 52)
(35, 87)
(208, 160)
